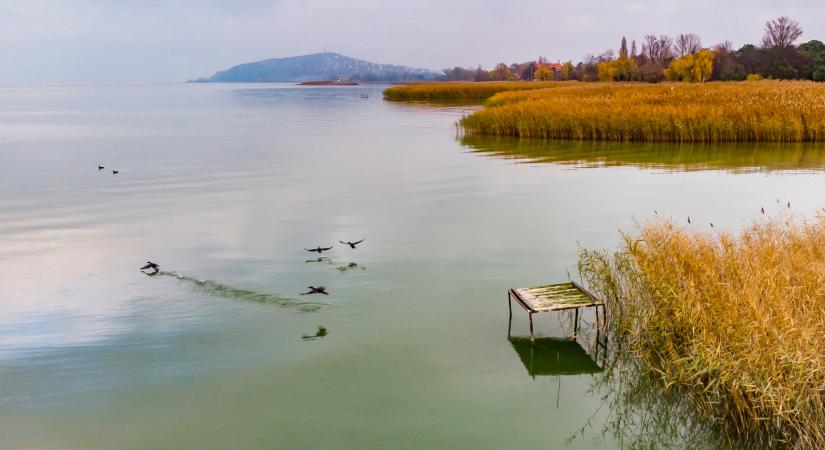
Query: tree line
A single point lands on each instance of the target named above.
(680, 58)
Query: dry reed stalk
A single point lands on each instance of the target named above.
(736, 319)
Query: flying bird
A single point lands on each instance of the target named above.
(316, 290)
(115, 172)
(352, 244)
(99, 168)
(789, 204)
(318, 249)
(150, 265)
(688, 219)
(762, 209)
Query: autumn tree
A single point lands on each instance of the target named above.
(544, 74)
(501, 73)
(622, 68)
(691, 68)
(458, 74)
(778, 57)
(726, 65)
(567, 70)
(656, 53)
(481, 75)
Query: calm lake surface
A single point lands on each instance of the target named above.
(224, 186)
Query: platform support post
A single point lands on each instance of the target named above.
(510, 305)
(532, 338)
(576, 324)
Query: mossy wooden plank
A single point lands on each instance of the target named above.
(555, 296)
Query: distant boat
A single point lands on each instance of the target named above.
(328, 83)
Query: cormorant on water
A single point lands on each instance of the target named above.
(316, 290)
(352, 244)
(318, 334)
(151, 265)
(318, 249)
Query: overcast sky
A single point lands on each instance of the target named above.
(127, 41)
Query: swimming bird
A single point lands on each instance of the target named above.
(318, 334)
(115, 172)
(150, 265)
(99, 168)
(316, 290)
(318, 249)
(352, 244)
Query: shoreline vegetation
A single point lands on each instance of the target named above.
(460, 90)
(679, 58)
(750, 111)
(744, 111)
(733, 321)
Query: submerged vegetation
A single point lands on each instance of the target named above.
(460, 90)
(733, 321)
(764, 111)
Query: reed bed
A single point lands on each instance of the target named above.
(463, 90)
(755, 111)
(735, 321)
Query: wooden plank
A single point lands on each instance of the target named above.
(555, 297)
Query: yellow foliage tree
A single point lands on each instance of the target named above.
(544, 74)
(607, 71)
(566, 70)
(691, 68)
(621, 69)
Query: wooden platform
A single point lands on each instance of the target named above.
(554, 297)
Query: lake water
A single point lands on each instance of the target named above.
(225, 185)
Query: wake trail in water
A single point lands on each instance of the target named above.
(222, 290)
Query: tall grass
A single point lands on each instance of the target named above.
(733, 320)
(462, 90)
(770, 111)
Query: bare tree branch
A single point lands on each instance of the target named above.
(781, 33)
(688, 44)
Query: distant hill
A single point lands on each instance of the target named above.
(317, 66)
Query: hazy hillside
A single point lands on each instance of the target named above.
(317, 66)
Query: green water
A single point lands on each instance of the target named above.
(225, 185)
